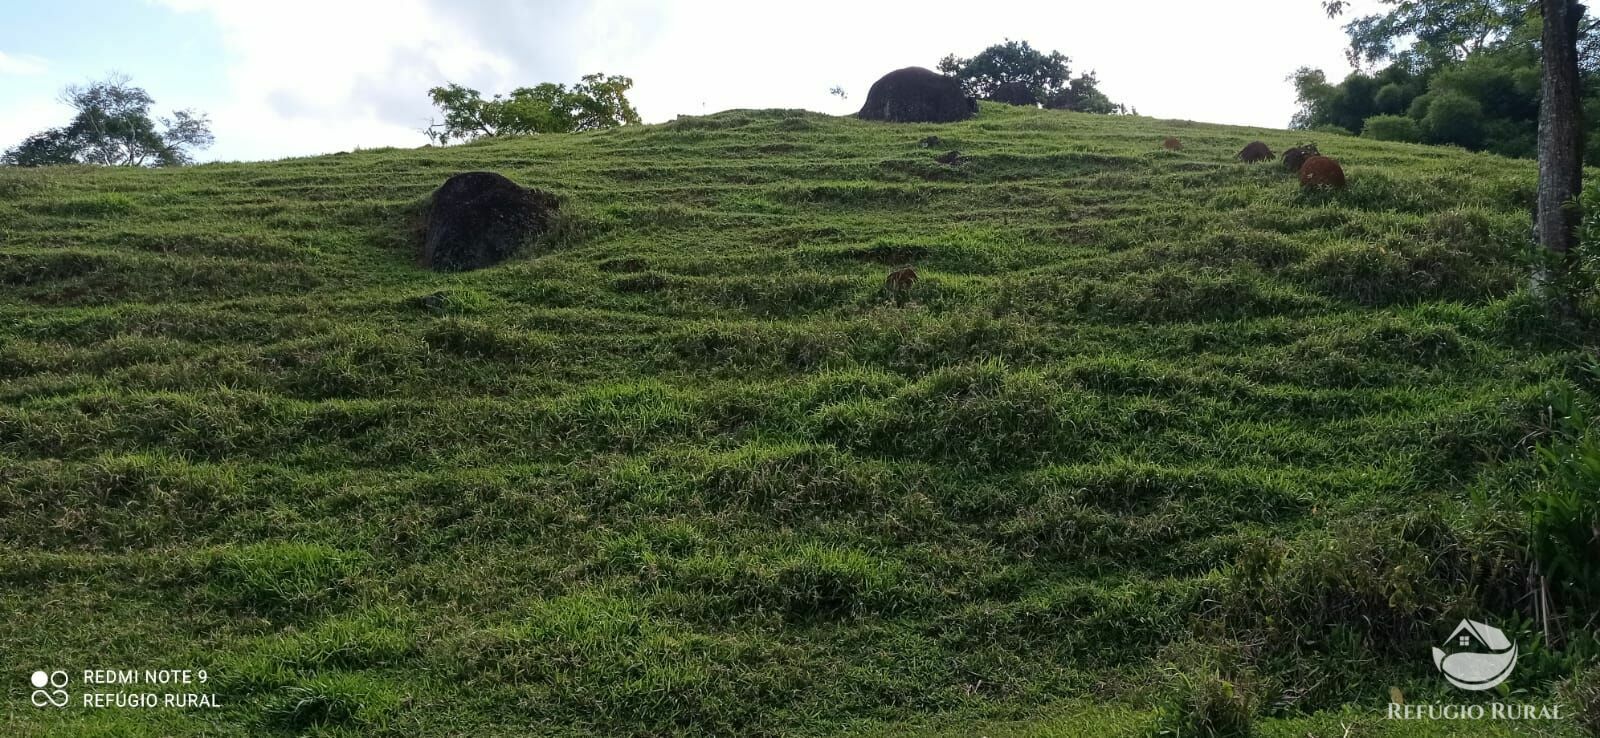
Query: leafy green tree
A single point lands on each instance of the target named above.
(1454, 118)
(1434, 32)
(596, 102)
(1502, 76)
(1482, 51)
(113, 127)
(1437, 30)
(1349, 103)
(1083, 95)
(1048, 76)
(54, 147)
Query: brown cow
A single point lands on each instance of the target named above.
(1320, 171)
(901, 279)
(1254, 152)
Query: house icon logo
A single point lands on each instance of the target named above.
(1477, 656)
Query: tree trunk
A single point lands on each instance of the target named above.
(1560, 130)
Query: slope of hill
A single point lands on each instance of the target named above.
(1156, 438)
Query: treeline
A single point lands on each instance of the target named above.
(1459, 72)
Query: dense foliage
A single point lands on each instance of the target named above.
(596, 102)
(1048, 76)
(1465, 72)
(113, 127)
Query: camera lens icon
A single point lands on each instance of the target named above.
(49, 688)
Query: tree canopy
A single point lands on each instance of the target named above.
(1463, 72)
(1437, 30)
(596, 102)
(1047, 76)
(113, 127)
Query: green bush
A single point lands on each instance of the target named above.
(1564, 517)
(1392, 128)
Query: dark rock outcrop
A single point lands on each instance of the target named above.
(479, 219)
(1256, 151)
(917, 95)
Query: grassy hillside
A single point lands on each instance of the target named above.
(1156, 438)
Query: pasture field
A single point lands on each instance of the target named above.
(1156, 442)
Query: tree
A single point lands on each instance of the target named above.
(1083, 95)
(1438, 30)
(1560, 129)
(597, 102)
(47, 148)
(113, 127)
(1454, 118)
(1501, 77)
(1047, 76)
(1460, 37)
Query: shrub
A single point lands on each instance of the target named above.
(1564, 514)
(1392, 128)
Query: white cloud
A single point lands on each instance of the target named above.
(308, 76)
(22, 65)
(24, 121)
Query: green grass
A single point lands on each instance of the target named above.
(1156, 438)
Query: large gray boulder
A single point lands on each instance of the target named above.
(479, 219)
(917, 95)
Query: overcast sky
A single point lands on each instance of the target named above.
(293, 77)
